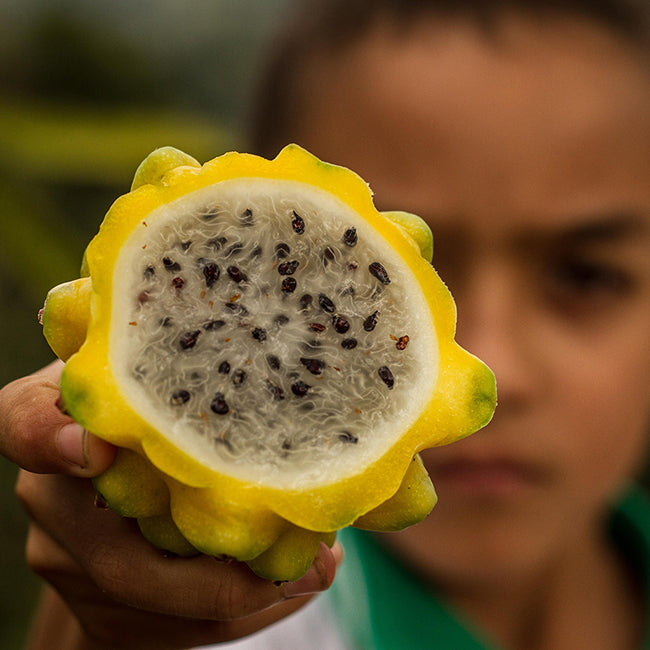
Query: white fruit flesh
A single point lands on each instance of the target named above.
(219, 365)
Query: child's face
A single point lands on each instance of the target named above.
(529, 156)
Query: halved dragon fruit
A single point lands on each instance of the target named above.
(274, 351)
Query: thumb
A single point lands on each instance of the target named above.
(36, 435)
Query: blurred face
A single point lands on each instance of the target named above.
(529, 156)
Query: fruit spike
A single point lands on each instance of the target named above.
(243, 326)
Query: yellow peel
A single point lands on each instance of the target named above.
(163, 533)
(413, 501)
(153, 168)
(417, 228)
(133, 486)
(290, 557)
(65, 316)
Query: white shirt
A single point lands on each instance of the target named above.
(313, 627)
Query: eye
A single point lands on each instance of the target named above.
(581, 280)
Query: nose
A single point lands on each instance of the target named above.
(494, 323)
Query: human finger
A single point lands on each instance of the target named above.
(109, 623)
(123, 565)
(38, 436)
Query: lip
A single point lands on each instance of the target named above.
(485, 478)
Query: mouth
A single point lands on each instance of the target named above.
(485, 478)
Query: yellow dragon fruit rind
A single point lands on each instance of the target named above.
(224, 520)
(65, 316)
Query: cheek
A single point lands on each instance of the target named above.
(604, 412)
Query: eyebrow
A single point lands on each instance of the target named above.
(607, 228)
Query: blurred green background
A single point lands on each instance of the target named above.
(87, 90)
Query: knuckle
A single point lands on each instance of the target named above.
(238, 595)
(44, 556)
(112, 572)
(27, 415)
(25, 489)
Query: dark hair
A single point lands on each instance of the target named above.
(321, 26)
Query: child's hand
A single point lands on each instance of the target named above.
(127, 594)
(123, 592)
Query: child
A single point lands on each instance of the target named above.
(521, 132)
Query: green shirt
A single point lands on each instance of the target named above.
(384, 606)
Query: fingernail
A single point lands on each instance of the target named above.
(314, 581)
(72, 445)
(338, 552)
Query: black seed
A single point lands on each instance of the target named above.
(289, 285)
(276, 391)
(297, 223)
(238, 377)
(224, 368)
(386, 376)
(236, 275)
(143, 297)
(346, 436)
(288, 268)
(300, 388)
(167, 321)
(257, 251)
(210, 270)
(212, 325)
(341, 325)
(353, 265)
(188, 340)
(379, 272)
(311, 345)
(259, 334)
(347, 291)
(179, 397)
(282, 250)
(402, 342)
(326, 304)
(234, 249)
(328, 255)
(217, 242)
(236, 308)
(246, 218)
(170, 265)
(185, 245)
(149, 272)
(281, 319)
(219, 405)
(315, 366)
(273, 361)
(306, 301)
(349, 344)
(178, 283)
(370, 322)
(350, 237)
(316, 327)
(286, 444)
